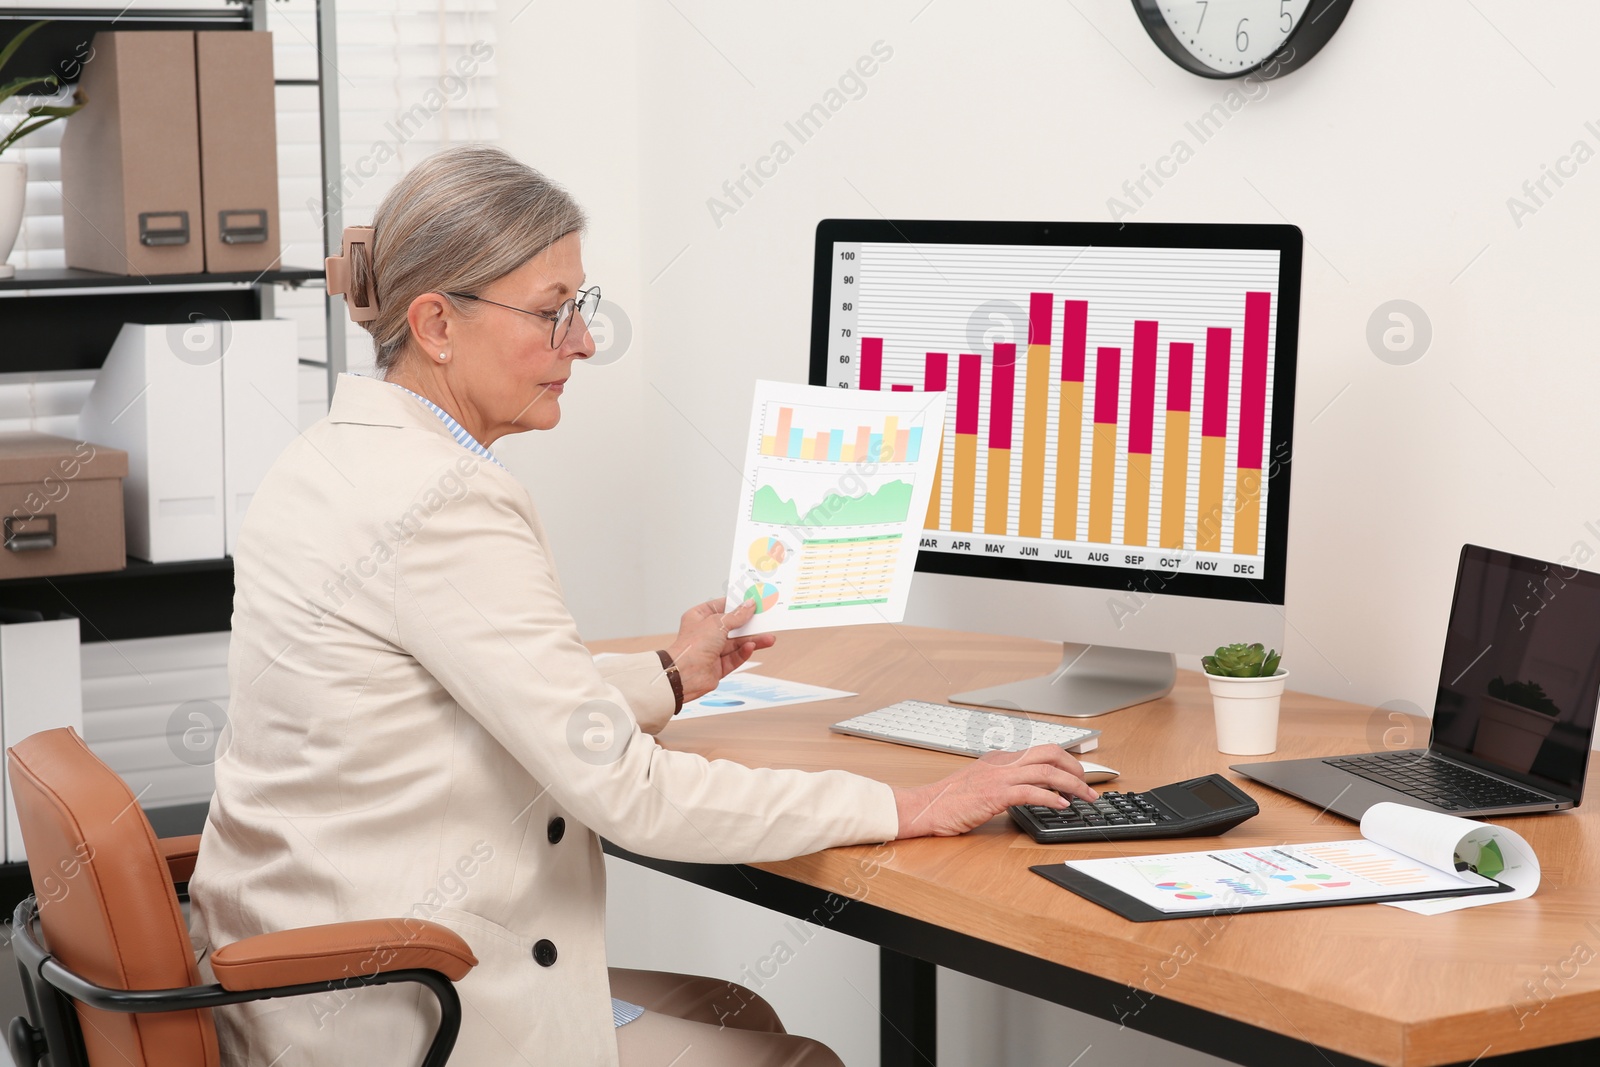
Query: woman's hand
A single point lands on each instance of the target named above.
(704, 653)
(989, 785)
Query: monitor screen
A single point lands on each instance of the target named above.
(1521, 674)
(1121, 397)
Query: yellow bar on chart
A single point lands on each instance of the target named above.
(886, 445)
(1035, 416)
(1208, 537)
(1102, 480)
(1136, 500)
(1069, 440)
(934, 498)
(1247, 512)
(964, 484)
(1174, 479)
(997, 491)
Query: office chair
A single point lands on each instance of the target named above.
(107, 967)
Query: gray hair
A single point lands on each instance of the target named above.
(456, 222)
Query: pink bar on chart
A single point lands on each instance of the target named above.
(1253, 380)
(902, 441)
(897, 388)
(1074, 339)
(820, 449)
(1039, 316)
(872, 363)
(1142, 397)
(1219, 350)
(969, 370)
(1107, 371)
(935, 372)
(863, 442)
(1002, 395)
(1180, 375)
(785, 415)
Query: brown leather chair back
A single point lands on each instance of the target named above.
(107, 909)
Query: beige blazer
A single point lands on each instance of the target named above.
(416, 730)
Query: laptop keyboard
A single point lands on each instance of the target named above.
(1439, 782)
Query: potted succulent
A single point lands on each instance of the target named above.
(1517, 718)
(1246, 686)
(13, 175)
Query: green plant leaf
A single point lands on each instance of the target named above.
(16, 42)
(14, 88)
(20, 132)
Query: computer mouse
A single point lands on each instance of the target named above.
(1094, 773)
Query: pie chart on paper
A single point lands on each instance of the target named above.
(767, 554)
(764, 594)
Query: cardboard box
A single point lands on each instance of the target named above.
(159, 397)
(130, 160)
(238, 150)
(61, 502)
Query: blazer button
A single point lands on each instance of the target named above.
(544, 953)
(556, 830)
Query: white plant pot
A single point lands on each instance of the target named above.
(13, 190)
(1246, 711)
(1511, 734)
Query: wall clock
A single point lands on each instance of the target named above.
(1233, 38)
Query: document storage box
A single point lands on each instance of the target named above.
(130, 160)
(159, 397)
(238, 150)
(61, 502)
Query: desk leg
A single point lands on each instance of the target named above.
(909, 1009)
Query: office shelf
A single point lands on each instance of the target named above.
(71, 278)
(66, 320)
(143, 600)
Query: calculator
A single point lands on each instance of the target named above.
(1192, 808)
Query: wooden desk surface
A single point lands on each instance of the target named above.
(1371, 981)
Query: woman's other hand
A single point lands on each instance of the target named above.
(704, 653)
(989, 785)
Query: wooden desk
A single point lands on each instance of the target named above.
(1364, 983)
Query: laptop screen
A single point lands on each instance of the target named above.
(1521, 674)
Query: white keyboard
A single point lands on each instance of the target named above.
(963, 731)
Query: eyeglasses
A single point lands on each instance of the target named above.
(583, 305)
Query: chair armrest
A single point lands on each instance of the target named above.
(180, 854)
(341, 950)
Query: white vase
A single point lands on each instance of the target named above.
(1246, 711)
(13, 190)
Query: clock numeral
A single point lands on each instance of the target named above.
(1284, 16)
(1241, 39)
(1205, 5)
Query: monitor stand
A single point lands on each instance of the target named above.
(1091, 680)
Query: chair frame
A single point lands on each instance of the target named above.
(51, 989)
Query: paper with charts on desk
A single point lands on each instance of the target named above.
(1402, 852)
(836, 489)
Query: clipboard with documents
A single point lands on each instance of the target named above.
(1418, 860)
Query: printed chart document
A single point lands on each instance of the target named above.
(1428, 858)
(740, 691)
(836, 491)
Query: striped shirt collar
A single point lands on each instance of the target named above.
(459, 432)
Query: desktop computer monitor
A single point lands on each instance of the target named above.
(1114, 472)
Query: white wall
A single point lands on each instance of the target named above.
(1396, 151)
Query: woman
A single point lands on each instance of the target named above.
(416, 729)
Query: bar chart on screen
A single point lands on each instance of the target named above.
(1107, 406)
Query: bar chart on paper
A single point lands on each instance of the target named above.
(834, 491)
(1108, 405)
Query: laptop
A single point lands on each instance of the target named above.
(1514, 718)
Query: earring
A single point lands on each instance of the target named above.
(443, 356)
